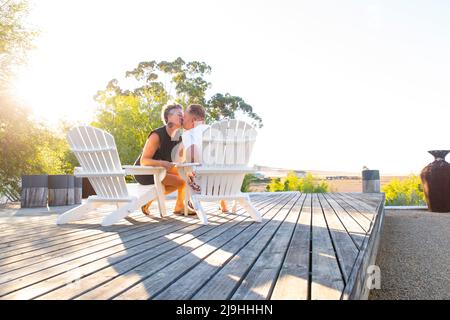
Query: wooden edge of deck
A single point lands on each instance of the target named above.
(356, 288)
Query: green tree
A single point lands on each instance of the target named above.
(127, 118)
(16, 149)
(130, 114)
(53, 153)
(248, 179)
(27, 147)
(15, 38)
(20, 137)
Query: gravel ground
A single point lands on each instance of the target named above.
(414, 256)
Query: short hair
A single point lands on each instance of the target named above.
(197, 111)
(167, 110)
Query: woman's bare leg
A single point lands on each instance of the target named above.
(223, 206)
(173, 181)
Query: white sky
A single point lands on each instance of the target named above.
(339, 84)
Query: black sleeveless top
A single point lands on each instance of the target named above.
(164, 152)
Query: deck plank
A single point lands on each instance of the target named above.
(151, 286)
(356, 286)
(40, 252)
(71, 267)
(293, 279)
(368, 204)
(346, 249)
(326, 278)
(356, 232)
(98, 248)
(370, 199)
(109, 281)
(308, 246)
(350, 202)
(24, 236)
(361, 219)
(260, 280)
(224, 282)
(193, 280)
(61, 265)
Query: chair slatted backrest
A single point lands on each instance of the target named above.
(96, 152)
(227, 145)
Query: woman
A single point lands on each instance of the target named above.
(158, 152)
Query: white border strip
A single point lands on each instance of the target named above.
(405, 207)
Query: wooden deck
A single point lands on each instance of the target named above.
(309, 246)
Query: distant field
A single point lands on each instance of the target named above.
(348, 185)
(355, 185)
(258, 186)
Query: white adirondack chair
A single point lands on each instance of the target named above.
(226, 149)
(96, 151)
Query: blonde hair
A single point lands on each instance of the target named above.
(167, 110)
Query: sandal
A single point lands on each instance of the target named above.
(181, 212)
(194, 187)
(191, 209)
(145, 209)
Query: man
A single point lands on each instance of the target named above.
(191, 145)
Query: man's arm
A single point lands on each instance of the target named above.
(180, 155)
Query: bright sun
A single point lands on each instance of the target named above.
(50, 96)
(28, 89)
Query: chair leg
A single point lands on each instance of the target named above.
(201, 214)
(162, 205)
(247, 205)
(75, 213)
(153, 195)
(187, 196)
(160, 190)
(119, 214)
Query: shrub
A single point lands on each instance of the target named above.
(248, 178)
(407, 192)
(275, 185)
(292, 182)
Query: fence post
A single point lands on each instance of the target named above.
(61, 190)
(34, 191)
(370, 181)
(78, 189)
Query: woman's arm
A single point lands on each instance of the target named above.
(151, 145)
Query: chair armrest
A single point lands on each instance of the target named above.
(225, 170)
(85, 174)
(187, 164)
(143, 170)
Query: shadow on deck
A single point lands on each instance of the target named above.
(309, 246)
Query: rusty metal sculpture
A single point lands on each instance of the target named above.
(436, 182)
